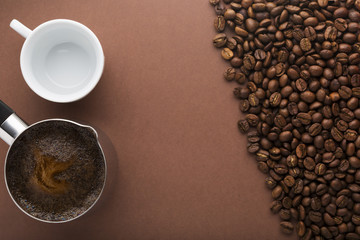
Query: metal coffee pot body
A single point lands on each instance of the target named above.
(12, 127)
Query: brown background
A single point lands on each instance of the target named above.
(178, 167)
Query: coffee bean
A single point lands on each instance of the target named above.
(300, 62)
(315, 217)
(354, 188)
(280, 169)
(298, 187)
(214, 2)
(241, 32)
(275, 99)
(244, 105)
(249, 62)
(300, 228)
(322, 3)
(220, 9)
(229, 14)
(349, 38)
(277, 191)
(229, 74)
(350, 135)
(304, 118)
(330, 33)
(316, 70)
(285, 214)
(251, 25)
(340, 24)
(227, 54)
(253, 147)
(311, 21)
(342, 201)
(301, 151)
(309, 163)
(341, 12)
(289, 181)
(315, 129)
(305, 44)
(243, 126)
(263, 167)
(270, 182)
(336, 134)
(320, 169)
(310, 33)
(301, 85)
(326, 233)
(291, 161)
(252, 119)
(352, 236)
(219, 23)
(321, 189)
(220, 40)
(287, 227)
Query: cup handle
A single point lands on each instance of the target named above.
(11, 126)
(20, 28)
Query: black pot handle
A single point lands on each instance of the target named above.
(5, 112)
(11, 126)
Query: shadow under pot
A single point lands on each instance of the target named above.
(55, 169)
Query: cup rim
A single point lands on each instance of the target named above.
(81, 93)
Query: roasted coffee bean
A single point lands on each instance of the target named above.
(220, 40)
(275, 99)
(301, 85)
(321, 189)
(316, 70)
(352, 236)
(301, 151)
(315, 217)
(219, 23)
(229, 74)
(214, 2)
(251, 25)
(244, 105)
(289, 181)
(292, 161)
(298, 187)
(263, 167)
(305, 44)
(320, 169)
(315, 129)
(300, 62)
(277, 191)
(249, 62)
(342, 201)
(270, 182)
(252, 119)
(280, 169)
(287, 227)
(227, 54)
(304, 118)
(285, 214)
(243, 126)
(229, 14)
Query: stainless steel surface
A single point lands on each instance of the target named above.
(13, 120)
(12, 128)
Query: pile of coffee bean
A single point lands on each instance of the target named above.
(297, 63)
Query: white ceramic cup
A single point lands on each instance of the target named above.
(61, 60)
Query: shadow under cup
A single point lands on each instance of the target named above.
(62, 60)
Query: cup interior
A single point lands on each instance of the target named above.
(62, 60)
